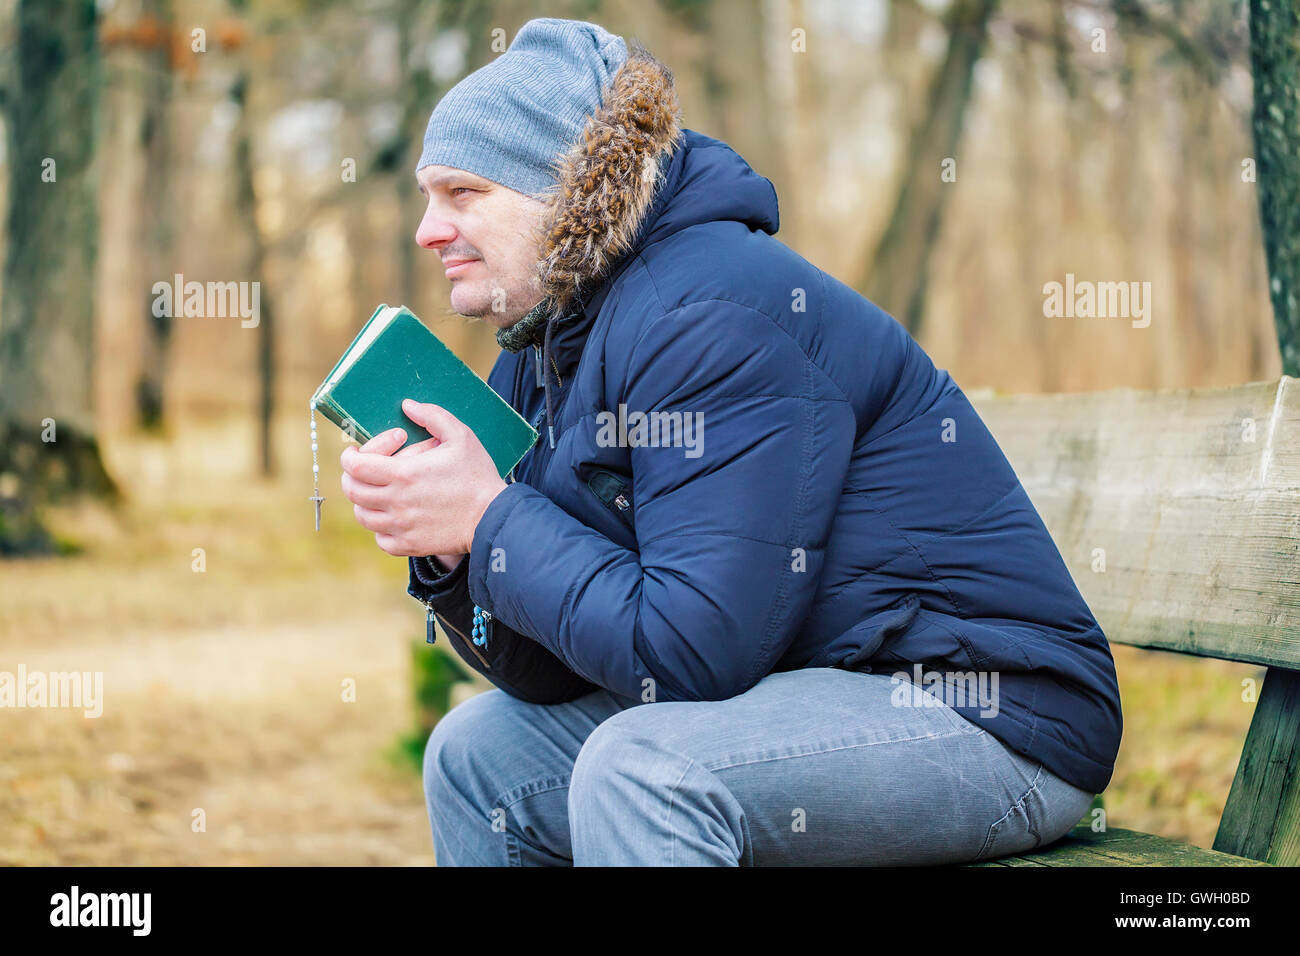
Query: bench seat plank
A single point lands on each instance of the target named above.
(1118, 847)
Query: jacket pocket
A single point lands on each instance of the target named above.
(614, 491)
(852, 649)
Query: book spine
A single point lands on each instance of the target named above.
(331, 410)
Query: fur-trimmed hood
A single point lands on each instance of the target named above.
(607, 179)
(635, 177)
(606, 182)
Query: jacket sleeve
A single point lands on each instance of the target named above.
(519, 666)
(731, 530)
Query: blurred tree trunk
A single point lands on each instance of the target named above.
(796, 103)
(1193, 229)
(1032, 218)
(739, 61)
(421, 94)
(1275, 65)
(156, 208)
(361, 244)
(48, 445)
(731, 53)
(418, 85)
(246, 212)
(897, 273)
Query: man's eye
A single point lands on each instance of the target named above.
(459, 189)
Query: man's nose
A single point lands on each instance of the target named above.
(434, 231)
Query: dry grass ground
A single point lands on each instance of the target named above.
(224, 688)
(1185, 720)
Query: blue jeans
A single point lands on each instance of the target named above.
(808, 767)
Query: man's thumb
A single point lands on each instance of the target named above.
(439, 422)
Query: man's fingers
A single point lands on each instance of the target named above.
(377, 521)
(371, 469)
(419, 447)
(358, 462)
(385, 443)
(393, 545)
(360, 493)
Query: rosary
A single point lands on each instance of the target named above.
(315, 467)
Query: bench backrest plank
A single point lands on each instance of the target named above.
(1193, 497)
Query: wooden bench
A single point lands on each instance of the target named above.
(1192, 496)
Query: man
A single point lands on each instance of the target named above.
(765, 590)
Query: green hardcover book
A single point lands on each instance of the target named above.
(395, 356)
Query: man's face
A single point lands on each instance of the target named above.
(497, 229)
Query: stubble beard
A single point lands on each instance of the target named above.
(517, 299)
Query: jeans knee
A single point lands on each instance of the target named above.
(449, 753)
(617, 762)
(638, 796)
(602, 759)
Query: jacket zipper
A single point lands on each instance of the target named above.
(451, 627)
(612, 492)
(538, 454)
(537, 363)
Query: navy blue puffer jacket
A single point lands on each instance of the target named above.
(839, 504)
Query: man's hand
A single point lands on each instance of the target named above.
(425, 499)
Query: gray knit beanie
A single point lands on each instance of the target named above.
(511, 120)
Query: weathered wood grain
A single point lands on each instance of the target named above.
(1118, 847)
(1262, 817)
(1192, 496)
